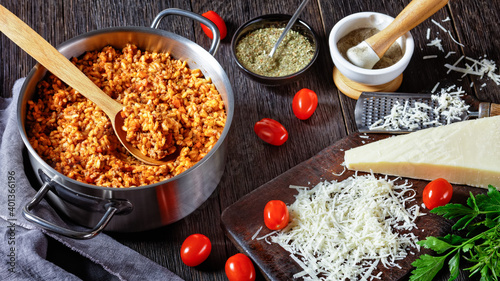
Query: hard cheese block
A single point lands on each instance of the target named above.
(466, 152)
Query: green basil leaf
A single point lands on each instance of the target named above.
(471, 201)
(485, 273)
(437, 244)
(494, 194)
(454, 266)
(467, 247)
(451, 211)
(463, 222)
(489, 201)
(426, 267)
(490, 223)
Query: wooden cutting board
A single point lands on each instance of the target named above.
(245, 217)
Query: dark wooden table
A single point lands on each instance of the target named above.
(250, 162)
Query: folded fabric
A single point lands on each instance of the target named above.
(24, 246)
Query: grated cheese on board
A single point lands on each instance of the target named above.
(342, 230)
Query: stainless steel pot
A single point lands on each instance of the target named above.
(138, 208)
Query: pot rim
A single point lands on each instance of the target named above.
(229, 103)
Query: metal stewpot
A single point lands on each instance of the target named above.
(137, 208)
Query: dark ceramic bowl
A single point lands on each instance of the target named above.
(274, 20)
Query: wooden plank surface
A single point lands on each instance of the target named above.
(250, 162)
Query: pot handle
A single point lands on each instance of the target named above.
(193, 16)
(110, 211)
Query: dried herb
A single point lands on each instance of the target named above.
(480, 246)
(292, 55)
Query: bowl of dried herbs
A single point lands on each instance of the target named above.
(253, 41)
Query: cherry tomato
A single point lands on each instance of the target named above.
(437, 193)
(304, 103)
(195, 249)
(221, 25)
(271, 131)
(240, 268)
(276, 215)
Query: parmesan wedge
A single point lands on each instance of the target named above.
(465, 152)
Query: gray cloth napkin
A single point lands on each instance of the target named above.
(23, 247)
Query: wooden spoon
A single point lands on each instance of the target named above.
(367, 53)
(31, 42)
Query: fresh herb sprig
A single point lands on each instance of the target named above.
(480, 246)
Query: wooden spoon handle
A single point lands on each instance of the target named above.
(37, 47)
(412, 15)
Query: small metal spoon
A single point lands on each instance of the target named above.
(288, 26)
(48, 56)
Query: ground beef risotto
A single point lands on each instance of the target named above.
(167, 107)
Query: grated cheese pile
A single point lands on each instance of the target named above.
(450, 104)
(450, 107)
(343, 230)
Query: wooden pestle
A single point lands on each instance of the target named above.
(369, 52)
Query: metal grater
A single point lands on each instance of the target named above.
(372, 106)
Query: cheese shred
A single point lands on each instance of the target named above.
(479, 68)
(343, 230)
(447, 31)
(436, 43)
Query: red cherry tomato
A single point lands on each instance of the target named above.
(304, 103)
(240, 268)
(221, 25)
(271, 131)
(195, 249)
(437, 193)
(276, 215)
